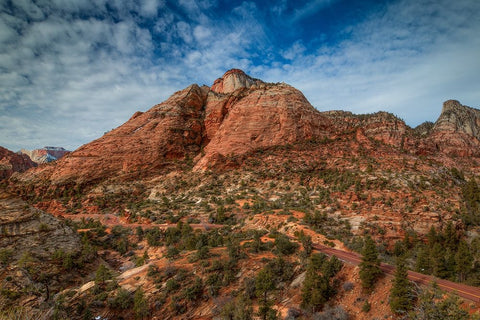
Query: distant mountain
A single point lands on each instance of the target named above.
(11, 162)
(45, 154)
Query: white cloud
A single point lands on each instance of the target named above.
(406, 60)
(149, 8)
(66, 80)
(311, 8)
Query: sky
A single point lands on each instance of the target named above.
(71, 70)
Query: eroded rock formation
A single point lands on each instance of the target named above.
(11, 162)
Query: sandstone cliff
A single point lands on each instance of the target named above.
(457, 130)
(11, 162)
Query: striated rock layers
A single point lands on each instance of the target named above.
(45, 154)
(24, 228)
(457, 130)
(11, 162)
(203, 127)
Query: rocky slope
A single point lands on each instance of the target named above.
(29, 241)
(45, 154)
(11, 162)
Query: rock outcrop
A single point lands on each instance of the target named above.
(457, 130)
(233, 80)
(11, 162)
(45, 154)
(24, 228)
(249, 119)
(30, 240)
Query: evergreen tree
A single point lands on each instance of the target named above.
(423, 263)
(102, 274)
(401, 291)
(307, 244)
(140, 304)
(450, 236)
(370, 265)
(463, 260)
(257, 244)
(317, 289)
(264, 283)
(238, 309)
(432, 307)
(439, 263)
(432, 237)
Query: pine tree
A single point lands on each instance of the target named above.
(401, 291)
(316, 290)
(439, 263)
(450, 236)
(264, 283)
(433, 306)
(140, 304)
(423, 263)
(370, 265)
(432, 237)
(307, 244)
(463, 260)
(102, 275)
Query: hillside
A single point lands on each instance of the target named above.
(197, 204)
(11, 162)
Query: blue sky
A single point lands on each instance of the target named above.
(72, 69)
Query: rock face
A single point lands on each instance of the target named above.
(25, 228)
(240, 114)
(249, 119)
(145, 144)
(11, 162)
(29, 238)
(233, 80)
(457, 130)
(46, 154)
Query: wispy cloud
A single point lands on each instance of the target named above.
(310, 8)
(71, 70)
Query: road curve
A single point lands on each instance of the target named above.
(462, 290)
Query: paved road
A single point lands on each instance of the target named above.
(464, 291)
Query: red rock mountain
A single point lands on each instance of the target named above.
(11, 162)
(240, 114)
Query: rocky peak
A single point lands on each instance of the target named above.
(459, 118)
(233, 80)
(457, 130)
